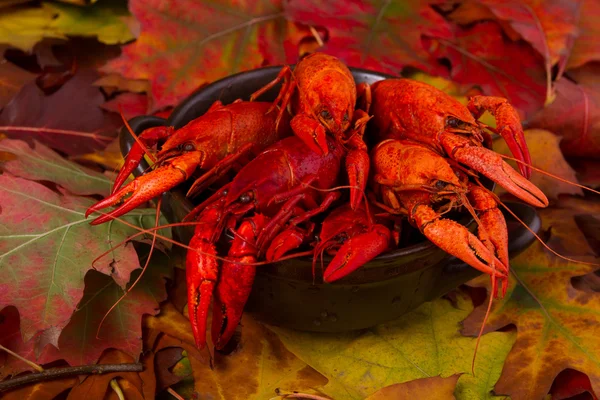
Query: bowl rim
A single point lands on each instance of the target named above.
(177, 114)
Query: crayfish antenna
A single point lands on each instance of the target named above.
(141, 273)
(558, 178)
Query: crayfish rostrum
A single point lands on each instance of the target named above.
(426, 156)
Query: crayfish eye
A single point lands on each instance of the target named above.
(453, 122)
(188, 147)
(245, 198)
(325, 114)
(439, 185)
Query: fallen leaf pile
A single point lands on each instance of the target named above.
(68, 68)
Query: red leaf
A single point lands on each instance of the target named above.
(122, 329)
(47, 246)
(549, 25)
(374, 34)
(587, 45)
(483, 56)
(75, 107)
(132, 104)
(12, 78)
(570, 383)
(575, 114)
(220, 39)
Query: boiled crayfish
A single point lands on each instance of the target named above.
(221, 137)
(425, 161)
(321, 95)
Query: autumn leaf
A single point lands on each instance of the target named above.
(130, 104)
(23, 27)
(423, 389)
(586, 47)
(105, 20)
(481, 56)
(46, 247)
(545, 155)
(74, 108)
(557, 325)
(221, 39)
(422, 344)
(574, 114)
(40, 163)
(12, 78)
(260, 361)
(110, 158)
(550, 26)
(374, 34)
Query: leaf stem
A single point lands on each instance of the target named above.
(57, 131)
(58, 373)
(26, 361)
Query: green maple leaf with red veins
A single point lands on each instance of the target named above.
(381, 35)
(481, 55)
(185, 44)
(557, 325)
(47, 246)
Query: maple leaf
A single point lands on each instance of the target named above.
(586, 46)
(557, 325)
(260, 361)
(221, 39)
(374, 34)
(46, 247)
(482, 56)
(74, 107)
(421, 344)
(424, 388)
(23, 27)
(40, 163)
(546, 155)
(574, 114)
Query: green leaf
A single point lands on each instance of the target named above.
(105, 20)
(424, 343)
(40, 163)
(24, 26)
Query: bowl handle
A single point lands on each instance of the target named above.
(519, 237)
(138, 125)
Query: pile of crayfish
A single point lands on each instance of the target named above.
(331, 166)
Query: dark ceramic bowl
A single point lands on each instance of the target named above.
(284, 294)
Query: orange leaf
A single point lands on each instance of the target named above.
(432, 388)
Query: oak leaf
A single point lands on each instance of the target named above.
(221, 39)
(421, 344)
(423, 389)
(557, 324)
(374, 34)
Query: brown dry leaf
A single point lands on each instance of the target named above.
(261, 361)
(110, 158)
(116, 81)
(42, 390)
(96, 386)
(433, 388)
(544, 147)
